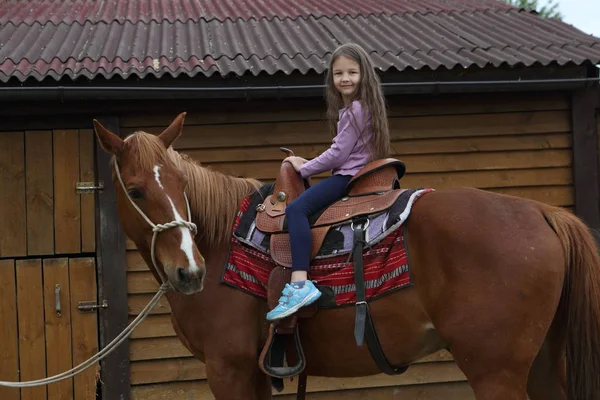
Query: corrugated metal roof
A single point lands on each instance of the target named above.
(81, 11)
(210, 46)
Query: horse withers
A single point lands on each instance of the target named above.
(510, 286)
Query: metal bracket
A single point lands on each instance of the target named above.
(57, 303)
(91, 306)
(88, 187)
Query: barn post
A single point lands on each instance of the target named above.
(112, 278)
(586, 177)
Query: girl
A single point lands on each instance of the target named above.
(357, 118)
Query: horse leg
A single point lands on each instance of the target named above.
(229, 351)
(232, 343)
(237, 379)
(547, 378)
(548, 375)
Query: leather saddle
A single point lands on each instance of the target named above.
(372, 190)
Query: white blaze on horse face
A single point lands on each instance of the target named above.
(157, 176)
(187, 242)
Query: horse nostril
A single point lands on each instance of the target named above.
(181, 275)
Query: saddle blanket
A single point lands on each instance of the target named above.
(386, 262)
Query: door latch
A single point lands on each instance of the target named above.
(91, 306)
(88, 187)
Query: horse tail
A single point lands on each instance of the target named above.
(579, 311)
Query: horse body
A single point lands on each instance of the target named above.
(507, 285)
(484, 303)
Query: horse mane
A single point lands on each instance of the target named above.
(214, 197)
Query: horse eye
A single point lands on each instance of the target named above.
(135, 193)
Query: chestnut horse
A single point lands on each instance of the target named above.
(510, 286)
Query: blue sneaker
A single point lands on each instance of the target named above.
(293, 299)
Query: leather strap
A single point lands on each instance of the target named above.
(361, 303)
(301, 392)
(363, 327)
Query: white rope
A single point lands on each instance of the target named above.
(99, 356)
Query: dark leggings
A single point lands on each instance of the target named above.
(315, 198)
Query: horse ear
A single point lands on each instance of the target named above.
(169, 135)
(110, 142)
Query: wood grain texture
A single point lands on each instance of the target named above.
(40, 193)
(32, 338)
(13, 234)
(67, 212)
(87, 201)
(429, 163)
(400, 148)
(177, 369)
(157, 348)
(9, 343)
(138, 302)
(58, 326)
(84, 326)
(154, 326)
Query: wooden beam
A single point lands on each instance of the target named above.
(585, 158)
(110, 240)
(40, 121)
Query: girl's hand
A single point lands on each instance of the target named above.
(296, 162)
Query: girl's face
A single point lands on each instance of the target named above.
(346, 77)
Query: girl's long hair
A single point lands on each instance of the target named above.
(369, 93)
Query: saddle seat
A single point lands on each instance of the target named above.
(372, 190)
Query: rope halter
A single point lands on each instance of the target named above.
(156, 228)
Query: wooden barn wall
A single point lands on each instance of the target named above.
(513, 144)
(47, 263)
(40, 211)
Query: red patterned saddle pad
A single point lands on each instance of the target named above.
(386, 268)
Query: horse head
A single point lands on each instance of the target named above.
(152, 203)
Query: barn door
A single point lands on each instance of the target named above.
(47, 263)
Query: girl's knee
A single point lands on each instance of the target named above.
(294, 209)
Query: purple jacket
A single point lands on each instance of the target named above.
(349, 151)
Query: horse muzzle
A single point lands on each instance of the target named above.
(186, 280)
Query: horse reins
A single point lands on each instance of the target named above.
(157, 228)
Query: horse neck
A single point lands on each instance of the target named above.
(214, 200)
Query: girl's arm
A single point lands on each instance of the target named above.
(349, 129)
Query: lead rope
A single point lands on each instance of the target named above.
(100, 355)
(164, 287)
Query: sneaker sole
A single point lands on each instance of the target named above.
(289, 312)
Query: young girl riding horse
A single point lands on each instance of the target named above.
(357, 117)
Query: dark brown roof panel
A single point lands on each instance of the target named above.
(81, 11)
(444, 40)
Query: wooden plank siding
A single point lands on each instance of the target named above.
(513, 144)
(36, 340)
(47, 262)
(41, 212)
(13, 233)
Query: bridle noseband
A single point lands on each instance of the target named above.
(156, 228)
